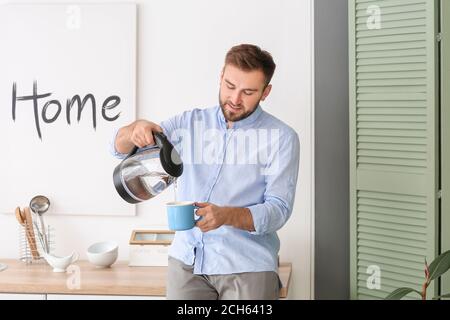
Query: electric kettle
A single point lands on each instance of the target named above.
(146, 172)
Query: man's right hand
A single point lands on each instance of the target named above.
(138, 133)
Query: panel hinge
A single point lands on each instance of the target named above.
(439, 37)
(439, 194)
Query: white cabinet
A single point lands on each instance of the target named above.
(21, 296)
(99, 297)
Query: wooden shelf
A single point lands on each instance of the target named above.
(120, 279)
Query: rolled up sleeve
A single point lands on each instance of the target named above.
(172, 127)
(281, 182)
(112, 146)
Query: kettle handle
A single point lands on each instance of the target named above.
(159, 138)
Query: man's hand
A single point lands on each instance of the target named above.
(142, 133)
(214, 217)
(139, 133)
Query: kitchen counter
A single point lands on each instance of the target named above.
(120, 279)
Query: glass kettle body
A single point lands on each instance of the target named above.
(146, 172)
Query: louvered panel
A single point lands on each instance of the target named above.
(405, 201)
(413, 243)
(393, 133)
(399, 214)
(404, 16)
(398, 279)
(390, 68)
(391, 146)
(389, 34)
(379, 47)
(398, 23)
(393, 117)
(389, 160)
(393, 98)
(404, 52)
(392, 112)
(392, 253)
(402, 270)
(393, 140)
(404, 163)
(386, 288)
(390, 75)
(391, 89)
(392, 39)
(391, 214)
(391, 234)
(404, 168)
(400, 84)
(394, 125)
(396, 30)
(393, 143)
(403, 220)
(389, 246)
(392, 104)
(362, 4)
(402, 8)
(382, 260)
(364, 296)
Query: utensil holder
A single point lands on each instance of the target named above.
(31, 244)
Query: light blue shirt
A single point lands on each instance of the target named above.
(252, 165)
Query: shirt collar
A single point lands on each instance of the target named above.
(241, 123)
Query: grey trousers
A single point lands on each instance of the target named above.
(183, 284)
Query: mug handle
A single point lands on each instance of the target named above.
(198, 217)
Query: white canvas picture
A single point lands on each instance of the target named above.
(67, 79)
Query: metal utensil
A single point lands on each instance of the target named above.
(39, 205)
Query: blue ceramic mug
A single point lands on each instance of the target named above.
(181, 215)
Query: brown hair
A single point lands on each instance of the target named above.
(248, 57)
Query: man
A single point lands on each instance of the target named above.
(245, 191)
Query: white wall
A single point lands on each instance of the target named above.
(181, 47)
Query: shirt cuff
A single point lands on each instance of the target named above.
(259, 215)
(112, 146)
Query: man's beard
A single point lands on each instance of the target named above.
(233, 117)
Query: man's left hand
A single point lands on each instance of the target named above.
(213, 216)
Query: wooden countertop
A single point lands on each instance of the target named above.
(120, 279)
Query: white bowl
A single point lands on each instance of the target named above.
(103, 254)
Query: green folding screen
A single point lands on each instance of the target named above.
(394, 143)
